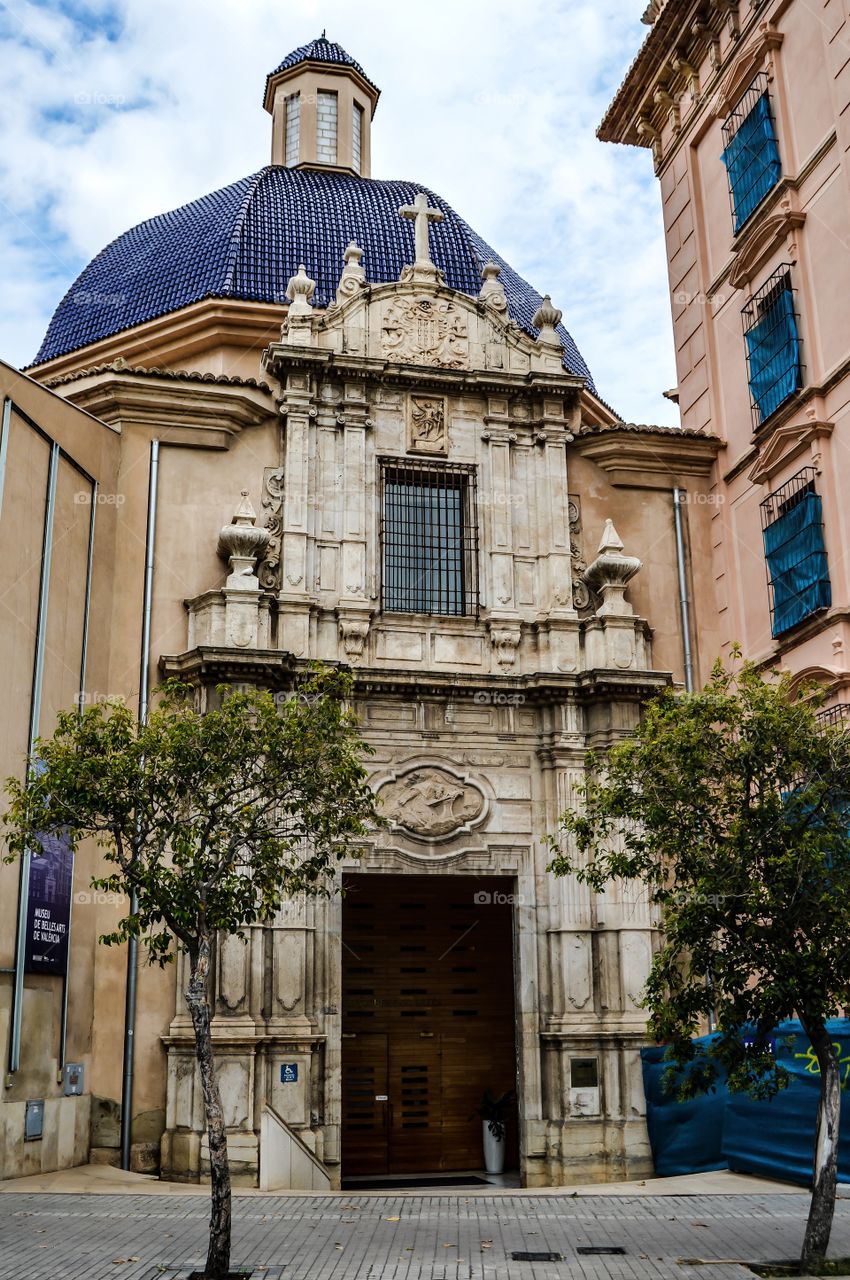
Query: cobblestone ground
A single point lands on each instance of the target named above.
(441, 1237)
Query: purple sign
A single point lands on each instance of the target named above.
(49, 907)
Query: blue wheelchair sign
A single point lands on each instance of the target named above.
(288, 1072)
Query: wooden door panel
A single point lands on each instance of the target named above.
(428, 965)
(414, 1082)
(365, 1116)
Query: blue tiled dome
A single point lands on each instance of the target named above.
(246, 241)
(320, 50)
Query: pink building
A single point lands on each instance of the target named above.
(746, 109)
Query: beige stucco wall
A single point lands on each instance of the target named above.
(95, 448)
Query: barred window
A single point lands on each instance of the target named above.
(798, 574)
(293, 129)
(751, 151)
(429, 537)
(773, 344)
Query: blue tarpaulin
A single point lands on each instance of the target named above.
(773, 348)
(752, 161)
(796, 561)
(722, 1130)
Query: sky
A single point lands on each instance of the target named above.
(112, 111)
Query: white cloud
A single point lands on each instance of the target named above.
(114, 111)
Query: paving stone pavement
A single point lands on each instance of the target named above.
(438, 1237)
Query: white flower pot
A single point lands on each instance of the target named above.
(494, 1150)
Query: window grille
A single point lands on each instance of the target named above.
(357, 139)
(750, 151)
(838, 714)
(429, 537)
(293, 129)
(773, 345)
(798, 574)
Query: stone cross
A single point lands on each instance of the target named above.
(421, 215)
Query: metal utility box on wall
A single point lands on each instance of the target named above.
(34, 1121)
(73, 1079)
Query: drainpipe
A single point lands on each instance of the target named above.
(144, 695)
(679, 500)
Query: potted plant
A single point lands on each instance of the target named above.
(494, 1118)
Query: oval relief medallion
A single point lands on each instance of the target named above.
(431, 802)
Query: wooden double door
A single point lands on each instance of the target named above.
(428, 1020)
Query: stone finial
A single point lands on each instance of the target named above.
(492, 290)
(241, 543)
(545, 318)
(299, 291)
(353, 276)
(610, 572)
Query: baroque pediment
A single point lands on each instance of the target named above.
(756, 247)
(785, 443)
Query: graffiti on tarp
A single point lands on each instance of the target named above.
(813, 1066)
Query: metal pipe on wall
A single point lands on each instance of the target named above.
(144, 698)
(679, 500)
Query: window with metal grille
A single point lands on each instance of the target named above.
(750, 151)
(773, 345)
(429, 537)
(837, 714)
(798, 574)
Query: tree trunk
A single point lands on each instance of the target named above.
(825, 1173)
(197, 998)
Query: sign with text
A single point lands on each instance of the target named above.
(289, 1073)
(51, 877)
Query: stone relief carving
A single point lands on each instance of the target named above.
(353, 633)
(583, 596)
(426, 331)
(426, 425)
(431, 802)
(271, 502)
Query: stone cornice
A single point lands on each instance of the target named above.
(666, 72)
(175, 337)
(187, 411)
(649, 457)
(280, 359)
(276, 669)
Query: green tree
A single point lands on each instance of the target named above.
(212, 819)
(732, 806)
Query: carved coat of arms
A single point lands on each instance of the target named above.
(426, 331)
(431, 802)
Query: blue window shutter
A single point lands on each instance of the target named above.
(752, 161)
(773, 349)
(796, 561)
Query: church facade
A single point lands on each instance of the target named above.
(355, 435)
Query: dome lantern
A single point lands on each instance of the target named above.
(321, 102)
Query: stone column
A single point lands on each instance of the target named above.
(295, 603)
(354, 612)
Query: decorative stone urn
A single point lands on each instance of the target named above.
(241, 543)
(610, 572)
